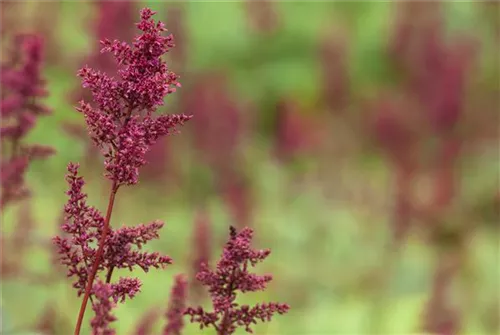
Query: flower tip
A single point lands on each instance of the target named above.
(147, 13)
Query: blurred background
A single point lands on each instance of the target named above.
(358, 139)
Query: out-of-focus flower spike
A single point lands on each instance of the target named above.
(176, 307)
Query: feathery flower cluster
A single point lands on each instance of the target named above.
(435, 69)
(121, 124)
(434, 73)
(83, 224)
(22, 86)
(107, 295)
(231, 275)
(176, 307)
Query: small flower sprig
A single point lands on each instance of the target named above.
(231, 275)
(121, 124)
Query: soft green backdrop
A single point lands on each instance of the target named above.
(328, 256)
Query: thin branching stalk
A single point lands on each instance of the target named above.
(100, 251)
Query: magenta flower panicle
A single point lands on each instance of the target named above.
(106, 296)
(82, 227)
(22, 87)
(122, 125)
(230, 276)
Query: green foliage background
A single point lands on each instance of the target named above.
(329, 258)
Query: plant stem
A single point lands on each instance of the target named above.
(97, 259)
(108, 276)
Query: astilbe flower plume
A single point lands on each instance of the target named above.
(121, 124)
(434, 72)
(230, 276)
(83, 224)
(107, 295)
(22, 88)
(176, 307)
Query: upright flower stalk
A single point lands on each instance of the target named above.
(121, 124)
(434, 76)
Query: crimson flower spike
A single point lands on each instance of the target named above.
(122, 124)
(22, 87)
